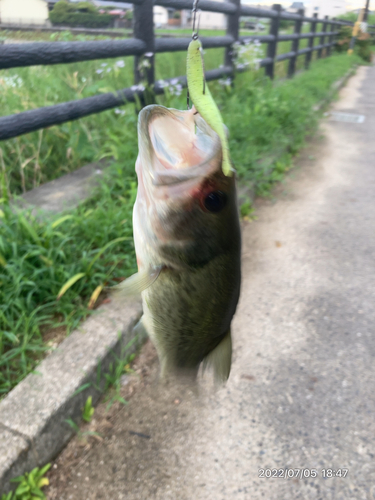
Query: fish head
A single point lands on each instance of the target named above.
(186, 209)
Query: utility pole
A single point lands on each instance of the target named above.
(356, 28)
(366, 11)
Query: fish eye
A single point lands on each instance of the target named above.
(215, 201)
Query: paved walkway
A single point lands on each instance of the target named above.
(302, 390)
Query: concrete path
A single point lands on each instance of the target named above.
(301, 394)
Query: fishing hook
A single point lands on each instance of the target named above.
(195, 34)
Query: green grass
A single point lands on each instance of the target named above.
(67, 36)
(29, 486)
(38, 157)
(38, 257)
(267, 125)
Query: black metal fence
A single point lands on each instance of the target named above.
(144, 41)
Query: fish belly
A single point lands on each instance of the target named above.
(187, 314)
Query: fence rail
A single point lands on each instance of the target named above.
(144, 41)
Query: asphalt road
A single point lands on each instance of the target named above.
(301, 394)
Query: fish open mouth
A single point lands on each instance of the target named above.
(176, 145)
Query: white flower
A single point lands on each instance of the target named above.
(11, 81)
(172, 89)
(120, 64)
(225, 82)
(144, 64)
(140, 87)
(99, 71)
(120, 111)
(149, 54)
(108, 70)
(103, 65)
(162, 83)
(174, 81)
(83, 79)
(248, 55)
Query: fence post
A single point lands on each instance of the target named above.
(272, 46)
(233, 29)
(311, 42)
(322, 38)
(330, 38)
(295, 43)
(143, 22)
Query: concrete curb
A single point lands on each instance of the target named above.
(64, 193)
(33, 427)
(33, 415)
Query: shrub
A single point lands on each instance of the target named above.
(81, 19)
(344, 38)
(81, 14)
(86, 7)
(176, 15)
(362, 44)
(353, 17)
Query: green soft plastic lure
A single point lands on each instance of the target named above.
(203, 100)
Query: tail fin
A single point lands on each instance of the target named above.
(220, 359)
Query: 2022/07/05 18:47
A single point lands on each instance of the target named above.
(302, 473)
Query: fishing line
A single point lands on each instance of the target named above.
(195, 36)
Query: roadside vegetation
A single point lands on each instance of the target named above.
(79, 14)
(29, 486)
(53, 270)
(38, 157)
(352, 17)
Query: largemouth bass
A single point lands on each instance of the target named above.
(187, 242)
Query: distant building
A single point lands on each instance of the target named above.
(160, 16)
(18, 12)
(207, 20)
(212, 20)
(357, 11)
(323, 8)
(296, 6)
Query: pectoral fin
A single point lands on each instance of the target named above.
(220, 359)
(135, 284)
(140, 330)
